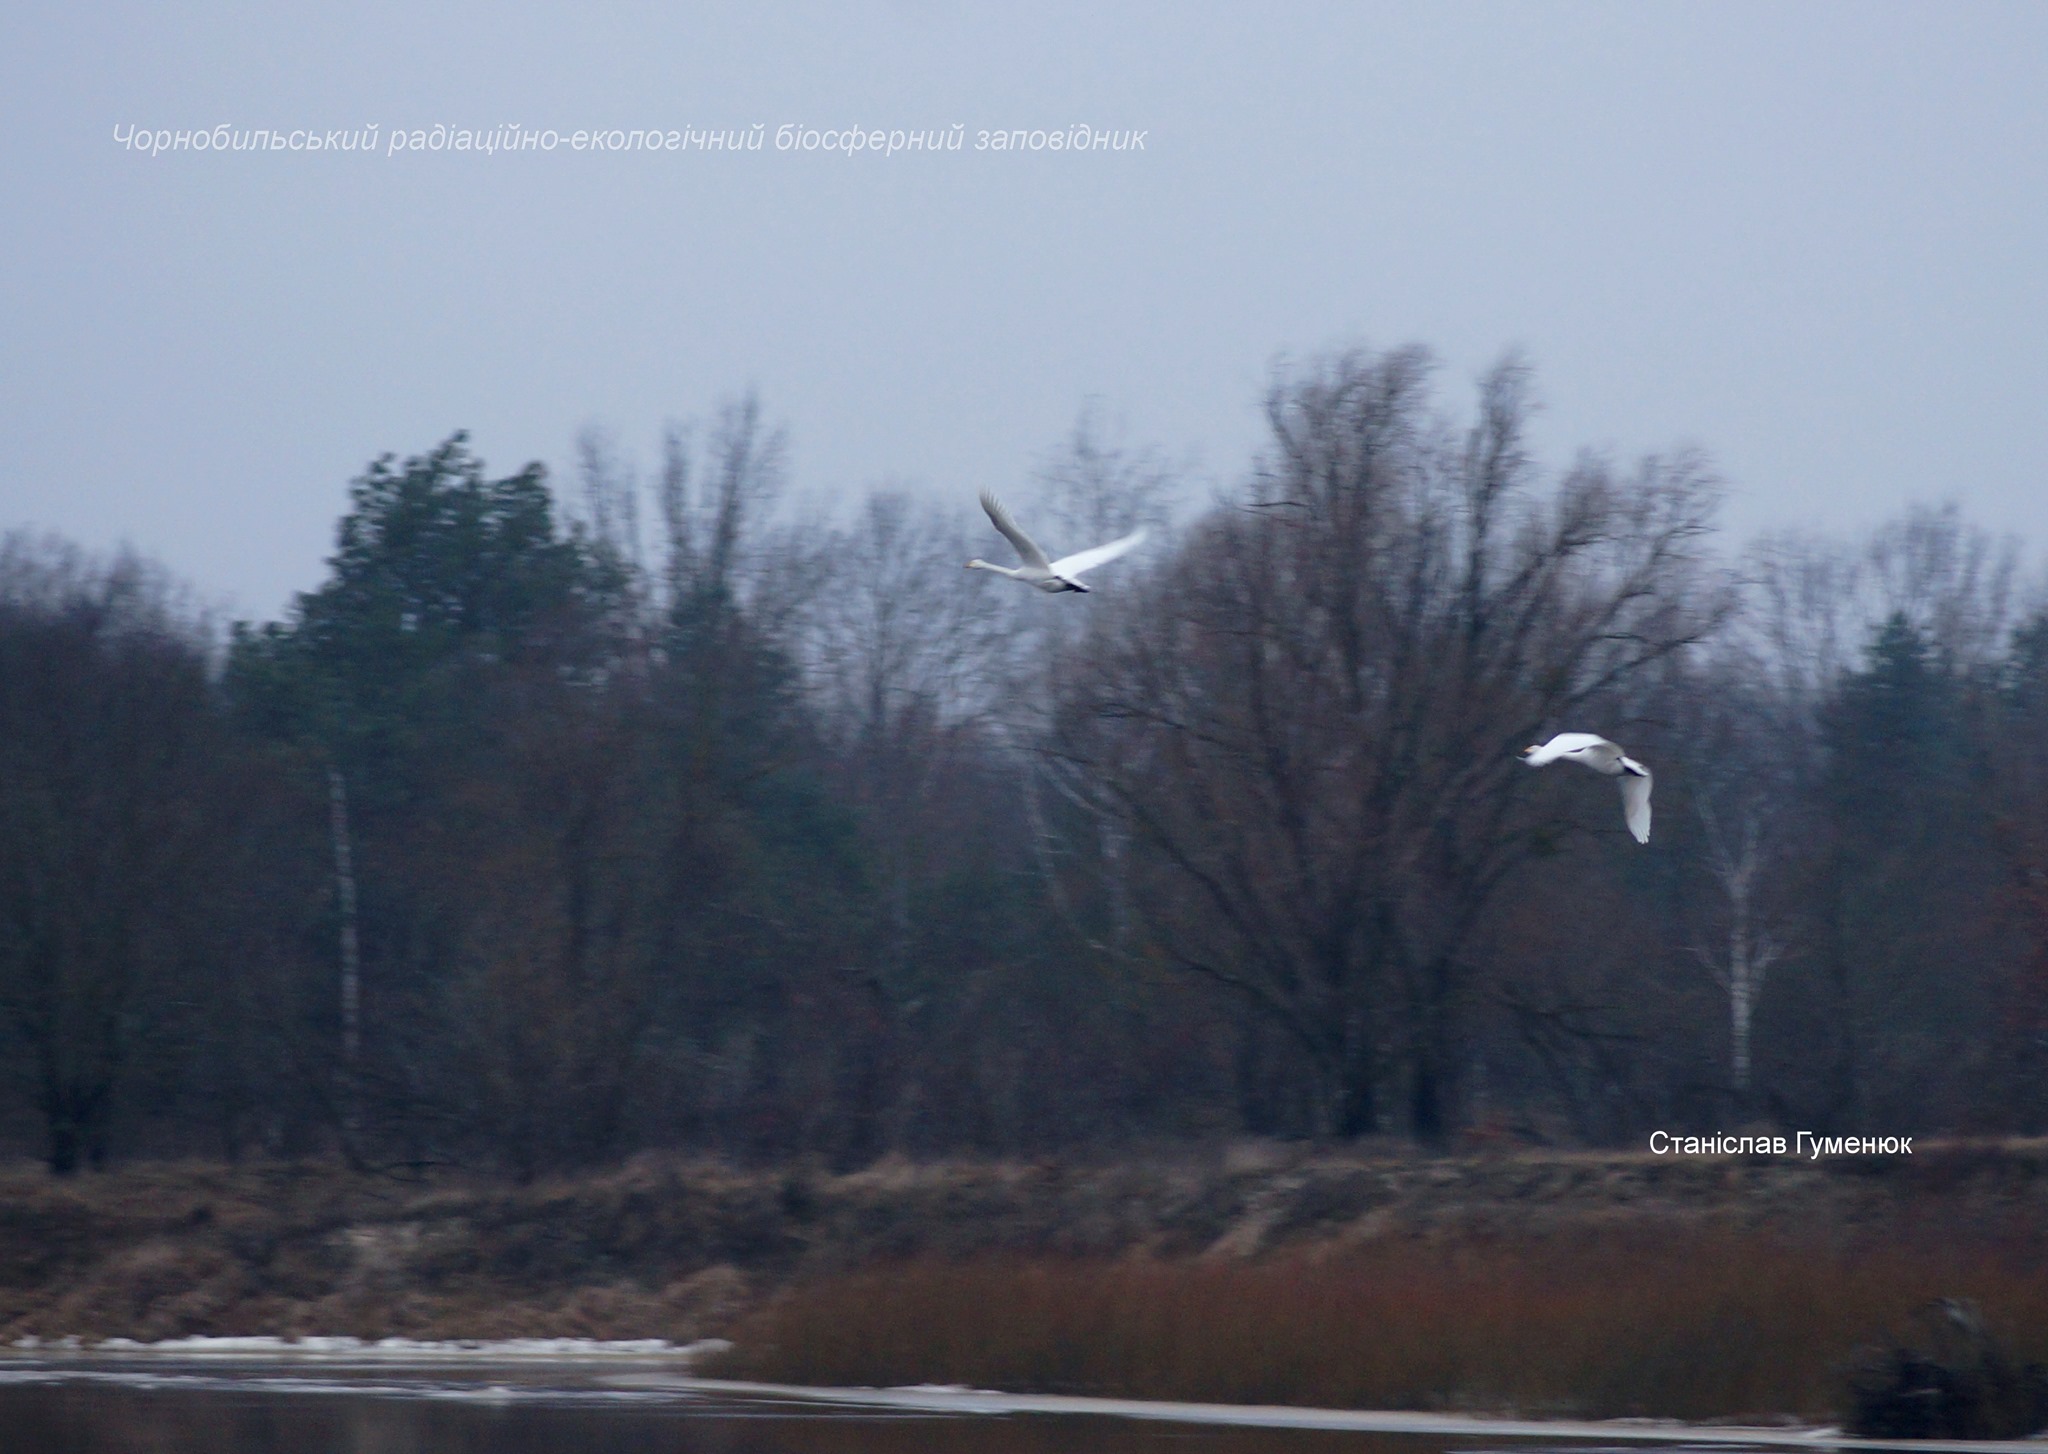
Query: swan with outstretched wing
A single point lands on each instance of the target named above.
(1603, 757)
(1047, 575)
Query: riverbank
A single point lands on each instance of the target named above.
(1706, 1286)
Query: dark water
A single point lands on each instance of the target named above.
(108, 1406)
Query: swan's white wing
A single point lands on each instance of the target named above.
(1080, 560)
(1559, 745)
(1635, 799)
(1026, 546)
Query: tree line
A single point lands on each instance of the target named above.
(663, 813)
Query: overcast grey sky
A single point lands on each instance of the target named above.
(1810, 238)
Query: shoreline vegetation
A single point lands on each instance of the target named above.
(1558, 1284)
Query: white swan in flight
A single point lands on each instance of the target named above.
(1604, 757)
(1047, 575)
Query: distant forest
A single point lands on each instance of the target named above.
(559, 824)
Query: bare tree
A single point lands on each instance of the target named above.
(1097, 487)
(110, 745)
(351, 959)
(1310, 726)
(611, 496)
(1815, 601)
(1954, 582)
(892, 633)
(1748, 948)
(899, 651)
(1094, 487)
(724, 548)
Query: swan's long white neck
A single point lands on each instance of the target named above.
(1002, 570)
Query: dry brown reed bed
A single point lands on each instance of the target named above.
(1705, 1324)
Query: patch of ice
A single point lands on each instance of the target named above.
(1600, 1435)
(395, 1350)
(263, 1346)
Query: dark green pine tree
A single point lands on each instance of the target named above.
(1902, 846)
(442, 578)
(1893, 737)
(452, 667)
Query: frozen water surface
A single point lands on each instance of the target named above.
(536, 1396)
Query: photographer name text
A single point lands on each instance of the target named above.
(1800, 1143)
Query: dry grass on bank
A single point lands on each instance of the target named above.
(1694, 1325)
